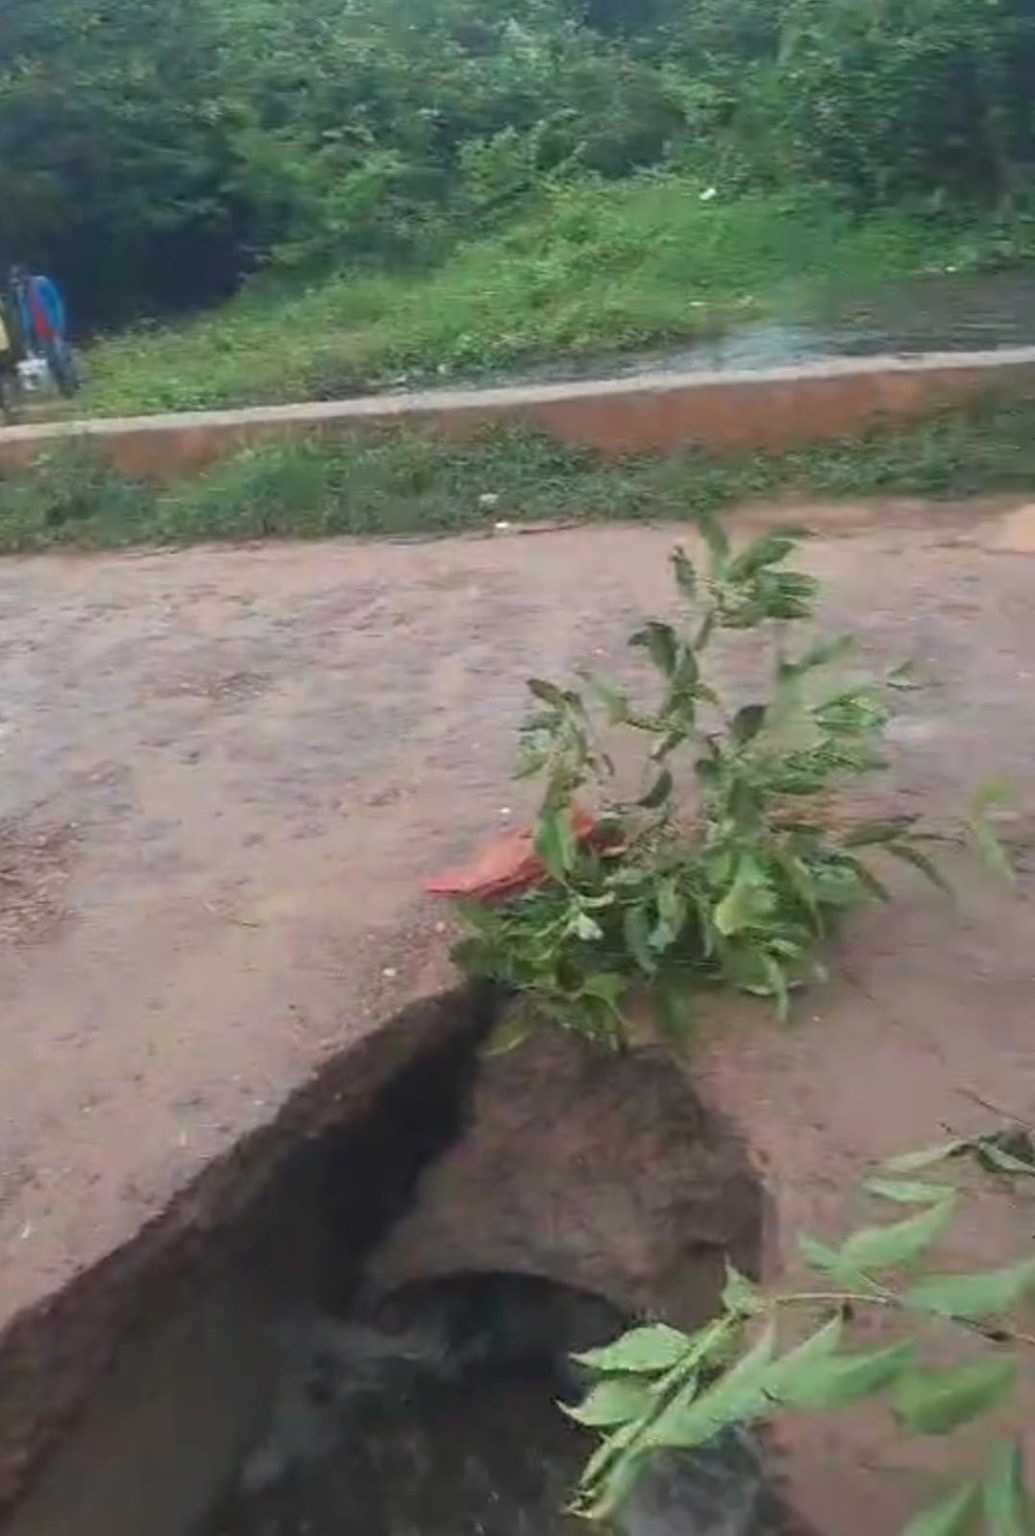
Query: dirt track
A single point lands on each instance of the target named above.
(226, 770)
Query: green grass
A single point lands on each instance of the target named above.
(597, 267)
(405, 484)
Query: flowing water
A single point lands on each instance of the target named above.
(944, 313)
(439, 1418)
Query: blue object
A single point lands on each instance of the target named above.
(51, 303)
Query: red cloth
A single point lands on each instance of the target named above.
(506, 865)
(40, 323)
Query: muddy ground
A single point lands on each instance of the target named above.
(225, 772)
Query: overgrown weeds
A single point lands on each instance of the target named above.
(591, 267)
(409, 483)
(727, 865)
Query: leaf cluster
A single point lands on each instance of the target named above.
(728, 866)
(657, 1389)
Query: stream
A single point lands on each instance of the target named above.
(943, 313)
(439, 1417)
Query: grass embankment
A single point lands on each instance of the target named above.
(405, 483)
(596, 268)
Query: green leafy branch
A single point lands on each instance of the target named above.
(727, 866)
(657, 1389)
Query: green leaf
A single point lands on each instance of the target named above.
(667, 744)
(909, 854)
(819, 1255)
(586, 928)
(795, 1370)
(748, 899)
(740, 1295)
(800, 879)
(610, 695)
(989, 845)
(735, 1397)
(1006, 1162)
(672, 913)
(681, 698)
(867, 878)
(612, 1402)
(972, 1296)
(1008, 1510)
(686, 576)
(839, 1380)
(636, 928)
(658, 793)
(548, 693)
(606, 986)
(908, 1192)
(747, 723)
(776, 985)
(912, 1162)
(554, 841)
(606, 1453)
(821, 654)
(660, 643)
(867, 833)
(770, 549)
(992, 792)
(953, 1516)
(653, 1347)
(715, 536)
(900, 1241)
(619, 1483)
(787, 595)
(932, 1402)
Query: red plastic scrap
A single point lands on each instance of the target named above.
(505, 865)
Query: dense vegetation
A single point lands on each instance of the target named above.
(152, 152)
(590, 269)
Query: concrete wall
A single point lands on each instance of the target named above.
(779, 408)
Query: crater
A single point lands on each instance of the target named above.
(361, 1320)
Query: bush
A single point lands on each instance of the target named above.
(740, 886)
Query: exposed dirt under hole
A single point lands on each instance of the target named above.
(225, 896)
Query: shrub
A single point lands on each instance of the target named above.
(743, 885)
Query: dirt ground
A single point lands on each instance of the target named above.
(226, 771)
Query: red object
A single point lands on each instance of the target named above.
(506, 865)
(40, 323)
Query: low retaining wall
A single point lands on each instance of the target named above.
(778, 408)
